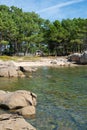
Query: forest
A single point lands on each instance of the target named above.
(26, 32)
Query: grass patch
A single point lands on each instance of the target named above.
(20, 58)
(23, 58)
(6, 58)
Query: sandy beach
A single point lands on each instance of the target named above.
(56, 62)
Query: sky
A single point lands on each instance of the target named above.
(52, 9)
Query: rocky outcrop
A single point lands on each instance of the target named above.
(78, 58)
(9, 69)
(74, 57)
(14, 122)
(60, 62)
(12, 69)
(83, 59)
(21, 102)
(27, 111)
(27, 69)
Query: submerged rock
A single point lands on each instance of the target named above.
(14, 122)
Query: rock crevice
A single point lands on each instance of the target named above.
(20, 102)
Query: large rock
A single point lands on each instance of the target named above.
(74, 57)
(27, 111)
(27, 69)
(19, 100)
(83, 59)
(9, 69)
(14, 122)
(78, 58)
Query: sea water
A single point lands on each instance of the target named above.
(61, 97)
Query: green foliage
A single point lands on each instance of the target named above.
(26, 32)
(4, 42)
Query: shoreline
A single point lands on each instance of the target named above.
(13, 68)
(49, 62)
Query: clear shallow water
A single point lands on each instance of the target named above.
(62, 97)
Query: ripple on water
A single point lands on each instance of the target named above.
(62, 97)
